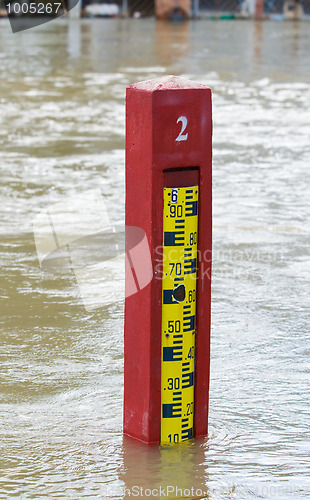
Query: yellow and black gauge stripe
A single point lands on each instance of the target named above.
(180, 236)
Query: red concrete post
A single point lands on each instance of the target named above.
(259, 10)
(168, 145)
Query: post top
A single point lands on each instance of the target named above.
(169, 82)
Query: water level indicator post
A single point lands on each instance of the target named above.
(167, 319)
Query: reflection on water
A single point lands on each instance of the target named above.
(62, 134)
(168, 471)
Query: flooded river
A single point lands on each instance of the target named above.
(61, 373)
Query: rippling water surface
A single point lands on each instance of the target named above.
(61, 135)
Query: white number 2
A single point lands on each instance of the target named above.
(182, 136)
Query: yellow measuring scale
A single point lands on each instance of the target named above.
(180, 236)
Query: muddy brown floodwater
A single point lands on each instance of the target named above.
(61, 136)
